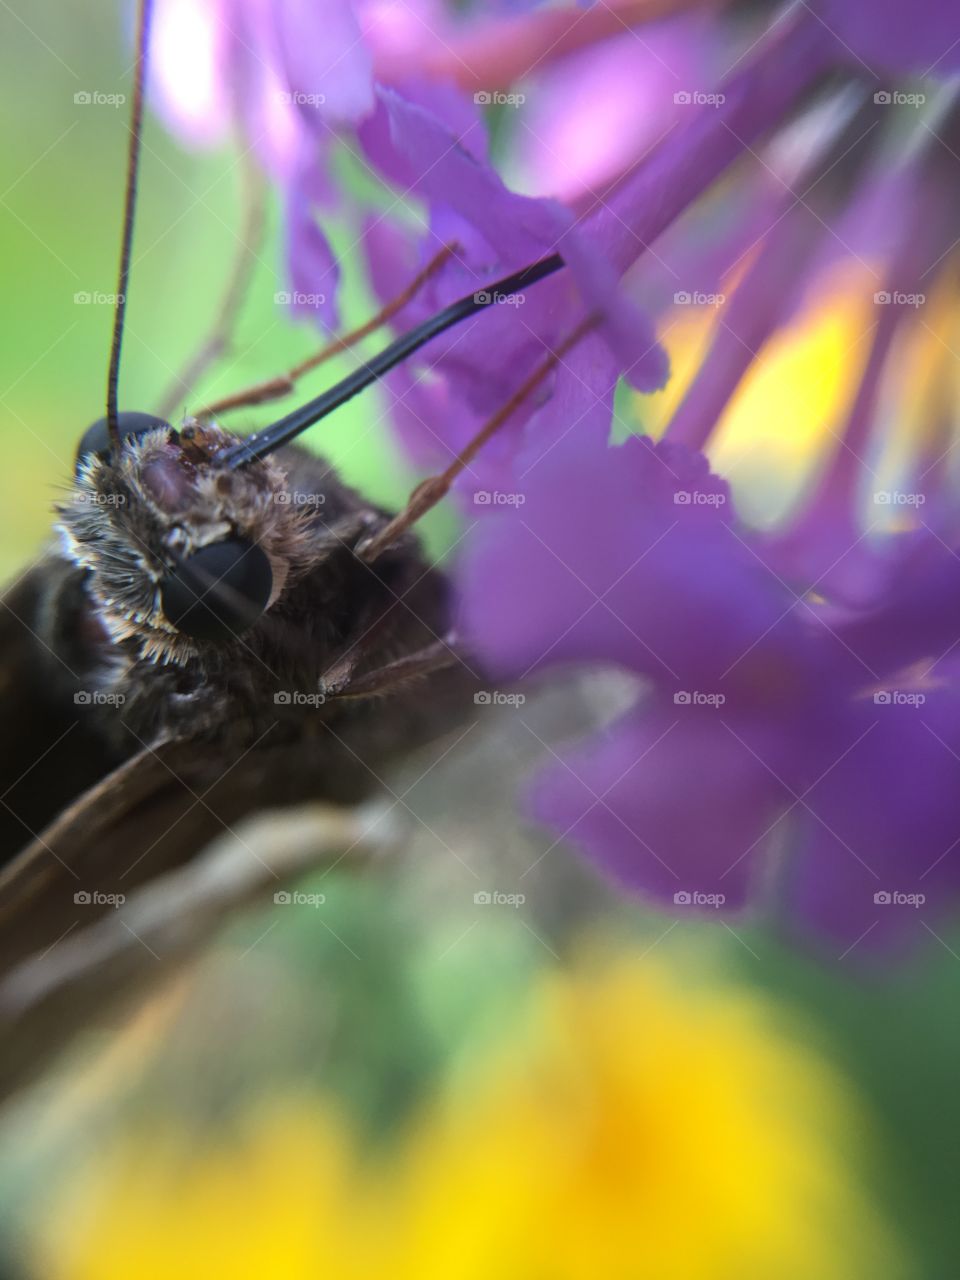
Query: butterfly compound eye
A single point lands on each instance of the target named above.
(96, 438)
(219, 592)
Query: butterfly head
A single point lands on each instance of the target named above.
(182, 553)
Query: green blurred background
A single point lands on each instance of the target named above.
(60, 205)
(402, 973)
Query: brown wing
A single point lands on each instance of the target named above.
(48, 755)
(139, 822)
(148, 816)
(66, 955)
(98, 968)
(96, 874)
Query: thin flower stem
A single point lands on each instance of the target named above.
(790, 64)
(432, 490)
(765, 296)
(922, 233)
(758, 308)
(220, 338)
(284, 383)
(935, 411)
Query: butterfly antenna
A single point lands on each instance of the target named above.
(144, 14)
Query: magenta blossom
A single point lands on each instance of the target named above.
(792, 738)
(776, 750)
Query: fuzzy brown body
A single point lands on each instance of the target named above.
(125, 750)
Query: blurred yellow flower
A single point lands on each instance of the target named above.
(788, 412)
(646, 1130)
(633, 1128)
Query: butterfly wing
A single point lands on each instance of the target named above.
(111, 954)
(48, 754)
(150, 815)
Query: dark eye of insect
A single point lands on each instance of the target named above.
(96, 438)
(218, 592)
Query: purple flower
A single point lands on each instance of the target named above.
(300, 76)
(591, 114)
(792, 740)
(795, 737)
(495, 229)
(767, 728)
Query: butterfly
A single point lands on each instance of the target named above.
(222, 627)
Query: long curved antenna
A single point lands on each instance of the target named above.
(144, 14)
(284, 430)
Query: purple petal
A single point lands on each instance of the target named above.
(890, 35)
(497, 229)
(626, 327)
(597, 109)
(685, 164)
(312, 268)
(194, 96)
(261, 94)
(578, 401)
(877, 863)
(669, 803)
(917, 614)
(328, 67)
(626, 555)
(441, 167)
